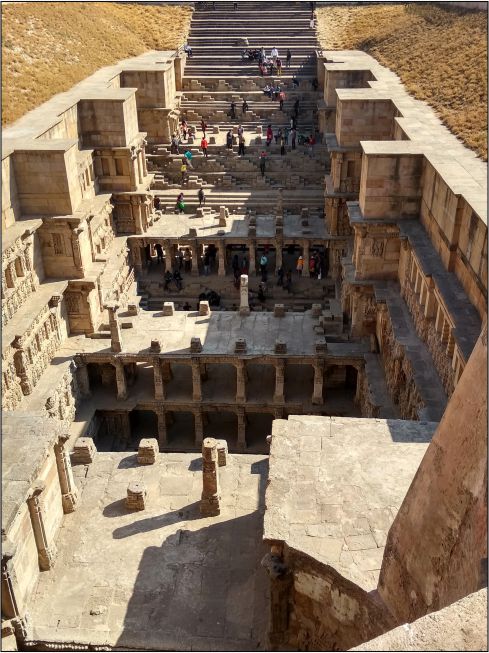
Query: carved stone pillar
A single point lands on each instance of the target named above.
(158, 379)
(222, 259)
(10, 607)
(77, 257)
(137, 215)
(281, 581)
(244, 307)
(22, 367)
(196, 380)
(199, 427)
(252, 248)
(166, 373)
(46, 552)
(241, 429)
(211, 492)
(69, 492)
(162, 431)
(135, 246)
(279, 395)
(120, 378)
(305, 255)
(240, 381)
(194, 251)
(278, 255)
(115, 331)
(82, 378)
(317, 397)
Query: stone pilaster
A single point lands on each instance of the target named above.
(10, 606)
(162, 430)
(115, 330)
(278, 255)
(199, 427)
(194, 251)
(279, 395)
(317, 396)
(240, 381)
(82, 377)
(196, 380)
(69, 492)
(120, 378)
(252, 252)
(244, 307)
(158, 379)
(46, 552)
(222, 259)
(305, 255)
(241, 429)
(211, 493)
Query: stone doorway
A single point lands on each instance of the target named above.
(222, 425)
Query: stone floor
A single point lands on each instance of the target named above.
(165, 578)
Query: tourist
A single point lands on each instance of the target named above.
(183, 129)
(268, 90)
(312, 267)
(174, 145)
(282, 145)
(296, 107)
(281, 97)
(241, 146)
(229, 140)
(274, 54)
(300, 265)
(288, 58)
(159, 253)
(188, 50)
(244, 107)
(263, 157)
(236, 278)
(180, 203)
(186, 307)
(177, 278)
(276, 92)
(244, 265)
(261, 293)
(207, 262)
(168, 279)
(188, 156)
(263, 267)
(183, 170)
(288, 281)
(180, 259)
(204, 145)
(235, 263)
(280, 275)
(235, 5)
(187, 260)
(311, 143)
(279, 67)
(295, 81)
(263, 54)
(201, 196)
(156, 203)
(240, 130)
(203, 126)
(278, 135)
(269, 135)
(233, 110)
(312, 23)
(293, 136)
(315, 84)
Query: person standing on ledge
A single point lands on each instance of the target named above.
(241, 147)
(204, 144)
(233, 110)
(263, 157)
(288, 59)
(201, 196)
(229, 140)
(245, 107)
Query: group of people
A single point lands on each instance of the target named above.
(315, 266)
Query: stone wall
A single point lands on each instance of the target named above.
(436, 550)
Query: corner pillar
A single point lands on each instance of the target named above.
(279, 395)
(69, 492)
(46, 552)
(120, 378)
(241, 429)
(196, 380)
(317, 397)
(240, 381)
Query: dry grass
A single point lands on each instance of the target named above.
(47, 47)
(440, 55)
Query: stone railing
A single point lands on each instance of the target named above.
(399, 374)
(14, 298)
(425, 328)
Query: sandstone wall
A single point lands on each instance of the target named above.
(437, 545)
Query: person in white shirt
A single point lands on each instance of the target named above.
(274, 54)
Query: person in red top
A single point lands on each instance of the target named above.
(204, 144)
(312, 267)
(269, 135)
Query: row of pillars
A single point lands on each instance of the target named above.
(162, 373)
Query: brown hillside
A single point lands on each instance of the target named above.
(48, 47)
(440, 55)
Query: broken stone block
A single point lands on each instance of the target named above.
(204, 308)
(133, 309)
(147, 451)
(136, 496)
(222, 216)
(280, 347)
(168, 308)
(195, 345)
(200, 212)
(192, 232)
(155, 346)
(212, 140)
(240, 345)
(222, 452)
(84, 451)
(317, 309)
(279, 310)
(215, 129)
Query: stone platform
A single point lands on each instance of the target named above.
(165, 578)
